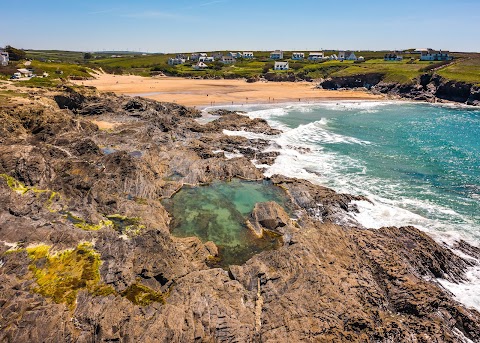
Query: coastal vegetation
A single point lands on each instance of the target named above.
(63, 65)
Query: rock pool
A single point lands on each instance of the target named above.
(218, 212)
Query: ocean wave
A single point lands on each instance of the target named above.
(467, 292)
(315, 132)
(304, 154)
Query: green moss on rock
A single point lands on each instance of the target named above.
(93, 227)
(126, 225)
(83, 224)
(61, 275)
(142, 295)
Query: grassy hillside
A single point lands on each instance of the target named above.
(466, 67)
(466, 70)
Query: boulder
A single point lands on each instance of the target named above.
(268, 217)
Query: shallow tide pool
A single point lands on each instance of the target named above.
(218, 212)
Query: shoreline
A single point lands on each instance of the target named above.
(206, 93)
(320, 245)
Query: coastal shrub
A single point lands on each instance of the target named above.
(15, 54)
(267, 67)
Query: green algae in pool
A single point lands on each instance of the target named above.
(218, 212)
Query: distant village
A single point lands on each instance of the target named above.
(201, 60)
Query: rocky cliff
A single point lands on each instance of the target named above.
(86, 254)
(429, 87)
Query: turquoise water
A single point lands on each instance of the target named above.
(218, 212)
(419, 163)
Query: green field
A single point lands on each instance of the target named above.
(467, 70)
(466, 67)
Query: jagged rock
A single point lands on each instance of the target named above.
(328, 282)
(429, 87)
(269, 217)
(223, 112)
(238, 122)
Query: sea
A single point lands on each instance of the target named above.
(418, 163)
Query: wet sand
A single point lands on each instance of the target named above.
(193, 92)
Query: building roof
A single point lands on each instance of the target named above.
(281, 63)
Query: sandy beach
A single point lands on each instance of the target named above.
(201, 93)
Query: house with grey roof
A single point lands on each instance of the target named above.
(298, 56)
(281, 66)
(315, 56)
(347, 56)
(276, 55)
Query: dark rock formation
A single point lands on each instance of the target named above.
(63, 182)
(238, 122)
(356, 81)
(429, 87)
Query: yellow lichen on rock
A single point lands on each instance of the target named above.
(93, 227)
(14, 184)
(142, 295)
(61, 275)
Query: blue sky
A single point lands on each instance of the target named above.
(186, 25)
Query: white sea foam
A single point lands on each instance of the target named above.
(302, 156)
(466, 292)
(315, 132)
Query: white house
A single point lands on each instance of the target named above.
(333, 57)
(197, 56)
(351, 56)
(298, 56)
(25, 72)
(315, 56)
(235, 54)
(281, 66)
(347, 55)
(228, 60)
(434, 55)
(206, 59)
(4, 58)
(176, 61)
(276, 55)
(200, 66)
(393, 57)
(361, 59)
(248, 54)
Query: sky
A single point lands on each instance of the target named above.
(208, 25)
